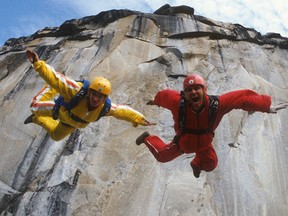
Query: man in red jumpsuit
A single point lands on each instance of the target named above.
(194, 136)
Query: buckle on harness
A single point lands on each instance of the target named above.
(55, 112)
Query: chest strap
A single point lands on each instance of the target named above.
(76, 118)
(195, 131)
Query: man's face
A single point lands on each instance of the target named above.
(195, 96)
(96, 98)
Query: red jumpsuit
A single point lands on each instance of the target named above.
(201, 144)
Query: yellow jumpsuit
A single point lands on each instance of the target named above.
(43, 103)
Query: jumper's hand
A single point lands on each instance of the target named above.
(147, 123)
(274, 109)
(32, 56)
(150, 102)
(142, 121)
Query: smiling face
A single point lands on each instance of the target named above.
(95, 98)
(195, 95)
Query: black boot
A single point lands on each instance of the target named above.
(141, 138)
(29, 119)
(196, 171)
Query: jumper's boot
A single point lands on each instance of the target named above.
(196, 171)
(29, 119)
(141, 138)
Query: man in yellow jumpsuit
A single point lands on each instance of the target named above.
(87, 110)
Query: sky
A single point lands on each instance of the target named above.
(24, 17)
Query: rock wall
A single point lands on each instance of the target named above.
(99, 170)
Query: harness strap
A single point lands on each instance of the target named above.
(76, 118)
(105, 109)
(213, 108)
(182, 110)
(78, 96)
(66, 125)
(195, 131)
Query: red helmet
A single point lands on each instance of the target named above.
(193, 79)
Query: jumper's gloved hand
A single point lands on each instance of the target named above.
(142, 121)
(147, 123)
(274, 109)
(32, 56)
(150, 102)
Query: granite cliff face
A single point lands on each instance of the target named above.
(99, 170)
